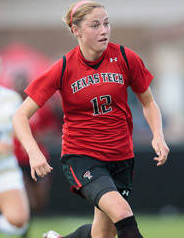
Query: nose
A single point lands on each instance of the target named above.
(104, 29)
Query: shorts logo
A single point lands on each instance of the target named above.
(125, 193)
(88, 175)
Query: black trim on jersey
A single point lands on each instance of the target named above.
(124, 55)
(95, 66)
(63, 68)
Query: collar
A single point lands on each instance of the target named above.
(93, 64)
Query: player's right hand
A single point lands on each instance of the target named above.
(39, 165)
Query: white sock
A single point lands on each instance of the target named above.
(7, 228)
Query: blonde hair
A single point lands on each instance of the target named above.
(76, 14)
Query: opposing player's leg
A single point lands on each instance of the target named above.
(14, 212)
(14, 207)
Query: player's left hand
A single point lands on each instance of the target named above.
(161, 149)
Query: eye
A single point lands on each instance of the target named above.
(95, 26)
(106, 24)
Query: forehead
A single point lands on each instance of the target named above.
(97, 14)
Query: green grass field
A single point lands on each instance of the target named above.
(151, 226)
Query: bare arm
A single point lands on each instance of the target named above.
(153, 116)
(38, 162)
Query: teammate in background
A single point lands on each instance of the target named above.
(14, 208)
(97, 148)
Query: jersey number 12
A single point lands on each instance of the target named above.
(103, 108)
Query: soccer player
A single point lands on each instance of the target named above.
(97, 148)
(14, 206)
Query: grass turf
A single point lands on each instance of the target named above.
(150, 226)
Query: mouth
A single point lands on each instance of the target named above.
(103, 40)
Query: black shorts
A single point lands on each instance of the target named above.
(82, 170)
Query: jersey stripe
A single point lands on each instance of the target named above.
(75, 178)
(124, 55)
(63, 68)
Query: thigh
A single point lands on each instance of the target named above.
(13, 198)
(102, 226)
(97, 188)
(14, 205)
(81, 170)
(115, 206)
(122, 175)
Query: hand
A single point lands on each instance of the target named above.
(161, 149)
(39, 165)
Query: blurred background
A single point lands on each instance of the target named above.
(32, 37)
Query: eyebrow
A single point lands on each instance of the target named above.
(96, 21)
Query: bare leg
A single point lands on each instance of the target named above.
(115, 206)
(14, 208)
(102, 226)
(119, 211)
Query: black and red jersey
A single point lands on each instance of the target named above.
(97, 118)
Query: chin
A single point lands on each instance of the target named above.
(103, 48)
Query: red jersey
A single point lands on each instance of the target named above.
(97, 118)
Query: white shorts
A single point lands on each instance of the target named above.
(12, 179)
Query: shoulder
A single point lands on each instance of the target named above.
(117, 47)
(134, 60)
(123, 50)
(113, 46)
(72, 53)
(131, 55)
(58, 63)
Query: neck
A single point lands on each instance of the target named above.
(90, 55)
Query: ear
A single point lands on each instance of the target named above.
(76, 31)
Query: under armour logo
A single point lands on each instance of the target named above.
(113, 59)
(88, 175)
(125, 193)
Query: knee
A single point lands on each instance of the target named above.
(121, 214)
(18, 220)
(115, 206)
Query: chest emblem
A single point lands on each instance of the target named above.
(113, 59)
